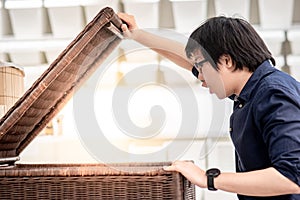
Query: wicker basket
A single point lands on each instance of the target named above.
(31, 113)
(94, 181)
(11, 86)
(46, 97)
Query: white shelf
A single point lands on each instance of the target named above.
(30, 21)
(31, 52)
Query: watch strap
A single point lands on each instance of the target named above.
(210, 183)
(211, 175)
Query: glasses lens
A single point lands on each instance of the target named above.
(199, 65)
(195, 71)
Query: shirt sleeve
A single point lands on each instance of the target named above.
(278, 114)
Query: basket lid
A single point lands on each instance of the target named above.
(52, 90)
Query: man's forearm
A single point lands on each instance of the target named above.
(266, 182)
(169, 49)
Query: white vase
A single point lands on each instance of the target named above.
(66, 17)
(189, 14)
(1, 20)
(294, 38)
(27, 18)
(293, 62)
(273, 40)
(3, 56)
(276, 14)
(5, 24)
(145, 11)
(233, 8)
(92, 7)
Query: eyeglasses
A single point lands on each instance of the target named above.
(199, 65)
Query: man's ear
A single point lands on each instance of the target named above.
(226, 60)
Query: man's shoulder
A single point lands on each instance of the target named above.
(279, 81)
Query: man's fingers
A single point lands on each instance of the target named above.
(124, 28)
(173, 167)
(169, 168)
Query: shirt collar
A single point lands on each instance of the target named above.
(263, 70)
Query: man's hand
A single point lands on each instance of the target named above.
(129, 26)
(191, 171)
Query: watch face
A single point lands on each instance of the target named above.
(213, 172)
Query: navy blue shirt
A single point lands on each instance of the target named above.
(265, 125)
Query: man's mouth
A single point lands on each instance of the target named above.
(203, 83)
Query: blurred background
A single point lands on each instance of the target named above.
(34, 32)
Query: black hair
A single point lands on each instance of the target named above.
(232, 36)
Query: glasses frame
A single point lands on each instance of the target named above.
(199, 65)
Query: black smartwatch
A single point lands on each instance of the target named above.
(211, 174)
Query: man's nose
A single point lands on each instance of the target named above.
(201, 78)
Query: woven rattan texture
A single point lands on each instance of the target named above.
(58, 83)
(94, 181)
(40, 104)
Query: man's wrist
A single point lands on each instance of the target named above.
(211, 174)
(135, 34)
